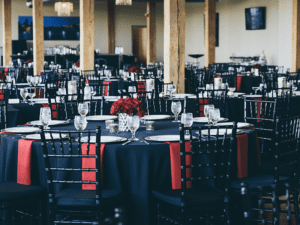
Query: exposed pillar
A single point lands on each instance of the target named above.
(174, 43)
(111, 26)
(151, 41)
(87, 35)
(210, 31)
(296, 36)
(7, 38)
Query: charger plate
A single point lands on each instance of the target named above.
(52, 122)
(205, 119)
(102, 117)
(47, 136)
(157, 117)
(163, 138)
(104, 139)
(21, 130)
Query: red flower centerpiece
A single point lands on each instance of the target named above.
(2, 76)
(29, 61)
(77, 64)
(129, 108)
(134, 69)
(257, 66)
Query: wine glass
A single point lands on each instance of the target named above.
(80, 123)
(92, 91)
(133, 123)
(24, 94)
(207, 108)
(31, 94)
(29, 78)
(172, 89)
(255, 89)
(83, 108)
(187, 120)
(214, 116)
(45, 117)
(231, 90)
(176, 109)
(34, 81)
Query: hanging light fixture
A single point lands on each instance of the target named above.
(123, 2)
(63, 8)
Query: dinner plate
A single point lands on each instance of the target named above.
(101, 117)
(22, 84)
(21, 130)
(213, 132)
(163, 138)
(104, 139)
(52, 122)
(111, 99)
(236, 94)
(253, 96)
(47, 136)
(239, 125)
(205, 119)
(39, 100)
(184, 95)
(13, 101)
(297, 93)
(157, 117)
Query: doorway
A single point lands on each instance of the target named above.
(139, 43)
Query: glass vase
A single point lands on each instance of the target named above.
(123, 122)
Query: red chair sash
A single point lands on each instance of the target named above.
(106, 90)
(90, 163)
(202, 102)
(24, 161)
(242, 155)
(238, 83)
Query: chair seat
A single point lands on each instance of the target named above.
(257, 180)
(14, 191)
(203, 196)
(86, 198)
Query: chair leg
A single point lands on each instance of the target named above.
(158, 214)
(296, 202)
(40, 214)
(182, 217)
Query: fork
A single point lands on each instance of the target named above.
(142, 140)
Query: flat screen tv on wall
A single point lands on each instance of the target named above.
(55, 28)
(255, 18)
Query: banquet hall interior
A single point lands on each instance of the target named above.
(149, 112)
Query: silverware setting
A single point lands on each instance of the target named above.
(142, 140)
(127, 142)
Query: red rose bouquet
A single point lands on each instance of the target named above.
(77, 64)
(130, 106)
(134, 69)
(257, 66)
(2, 76)
(29, 61)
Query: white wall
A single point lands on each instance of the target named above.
(275, 40)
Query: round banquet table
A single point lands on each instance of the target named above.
(136, 168)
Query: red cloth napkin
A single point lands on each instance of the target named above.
(6, 132)
(24, 162)
(242, 155)
(105, 88)
(2, 95)
(238, 83)
(90, 163)
(201, 106)
(175, 164)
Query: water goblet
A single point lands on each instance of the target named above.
(133, 123)
(31, 94)
(231, 90)
(187, 120)
(207, 108)
(80, 123)
(172, 89)
(214, 116)
(255, 89)
(24, 94)
(83, 108)
(176, 109)
(29, 78)
(45, 117)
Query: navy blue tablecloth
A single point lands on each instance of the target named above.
(135, 168)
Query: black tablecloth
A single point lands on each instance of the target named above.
(135, 168)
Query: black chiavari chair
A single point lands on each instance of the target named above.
(3, 114)
(217, 98)
(280, 209)
(155, 105)
(204, 193)
(71, 196)
(95, 105)
(284, 151)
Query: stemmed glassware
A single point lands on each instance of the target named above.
(172, 89)
(133, 123)
(187, 120)
(83, 108)
(231, 90)
(45, 117)
(24, 94)
(176, 109)
(80, 123)
(214, 116)
(207, 109)
(29, 78)
(92, 91)
(31, 94)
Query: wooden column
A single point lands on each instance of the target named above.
(296, 36)
(111, 26)
(38, 35)
(174, 43)
(210, 31)
(151, 41)
(87, 36)
(7, 38)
